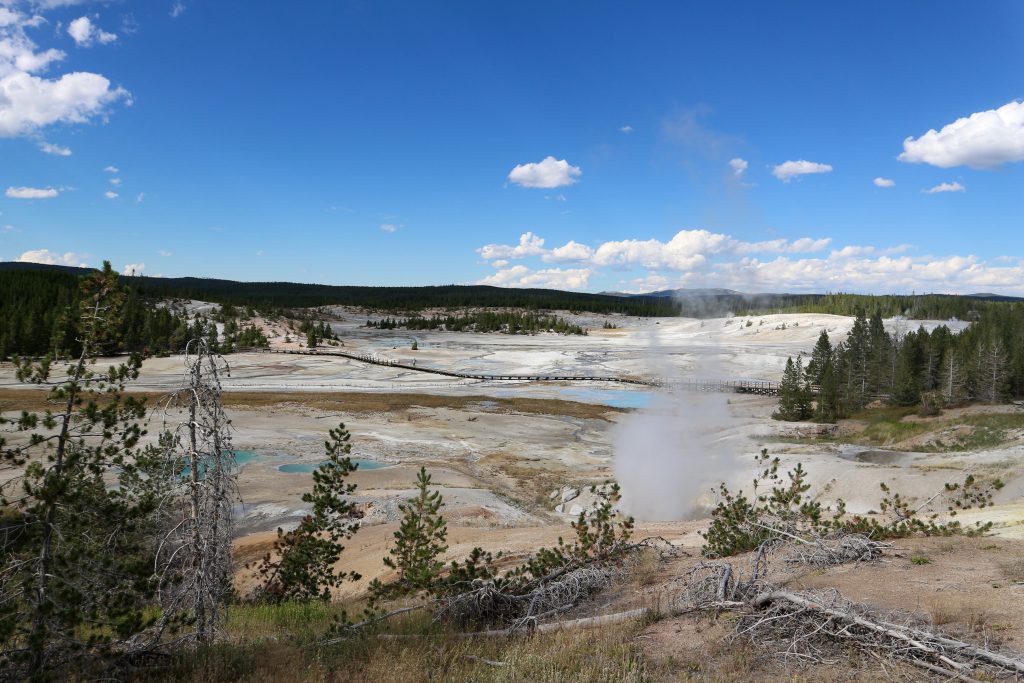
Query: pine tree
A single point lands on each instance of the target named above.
(76, 552)
(302, 566)
(419, 542)
(827, 406)
(794, 395)
(856, 363)
(820, 357)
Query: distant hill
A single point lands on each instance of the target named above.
(697, 302)
(293, 294)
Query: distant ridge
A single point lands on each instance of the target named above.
(690, 302)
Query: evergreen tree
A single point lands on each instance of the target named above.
(857, 360)
(302, 565)
(827, 407)
(75, 555)
(794, 395)
(820, 357)
(419, 542)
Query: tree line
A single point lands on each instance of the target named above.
(508, 322)
(984, 362)
(39, 310)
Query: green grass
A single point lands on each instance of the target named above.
(887, 428)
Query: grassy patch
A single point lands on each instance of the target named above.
(289, 652)
(888, 428)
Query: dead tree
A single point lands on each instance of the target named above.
(194, 557)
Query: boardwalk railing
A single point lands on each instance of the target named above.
(729, 386)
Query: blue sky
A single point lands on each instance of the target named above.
(592, 146)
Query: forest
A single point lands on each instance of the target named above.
(37, 308)
(985, 362)
(508, 322)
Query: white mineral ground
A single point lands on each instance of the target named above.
(497, 463)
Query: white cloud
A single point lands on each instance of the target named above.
(50, 258)
(112, 169)
(388, 227)
(570, 251)
(84, 32)
(111, 195)
(115, 181)
(788, 170)
(56, 150)
(32, 192)
(548, 173)
(626, 129)
(29, 101)
(738, 166)
(686, 250)
(945, 187)
(529, 245)
(500, 263)
(139, 197)
(164, 253)
(984, 139)
(551, 278)
(177, 9)
(883, 182)
(133, 268)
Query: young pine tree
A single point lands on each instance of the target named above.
(419, 542)
(302, 565)
(794, 395)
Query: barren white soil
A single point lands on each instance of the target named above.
(498, 462)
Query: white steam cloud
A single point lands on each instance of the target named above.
(670, 454)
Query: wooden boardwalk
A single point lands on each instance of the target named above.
(729, 386)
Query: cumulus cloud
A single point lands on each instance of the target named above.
(50, 258)
(985, 139)
(550, 278)
(686, 250)
(788, 170)
(388, 227)
(56, 150)
(700, 258)
(133, 268)
(945, 187)
(738, 166)
(529, 245)
(177, 9)
(112, 169)
(626, 129)
(111, 195)
(85, 33)
(884, 182)
(30, 101)
(570, 251)
(549, 173)
(31, 192)
(115, 181)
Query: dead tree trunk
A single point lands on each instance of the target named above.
(194, 559)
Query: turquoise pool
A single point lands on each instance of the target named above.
(303, 467)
